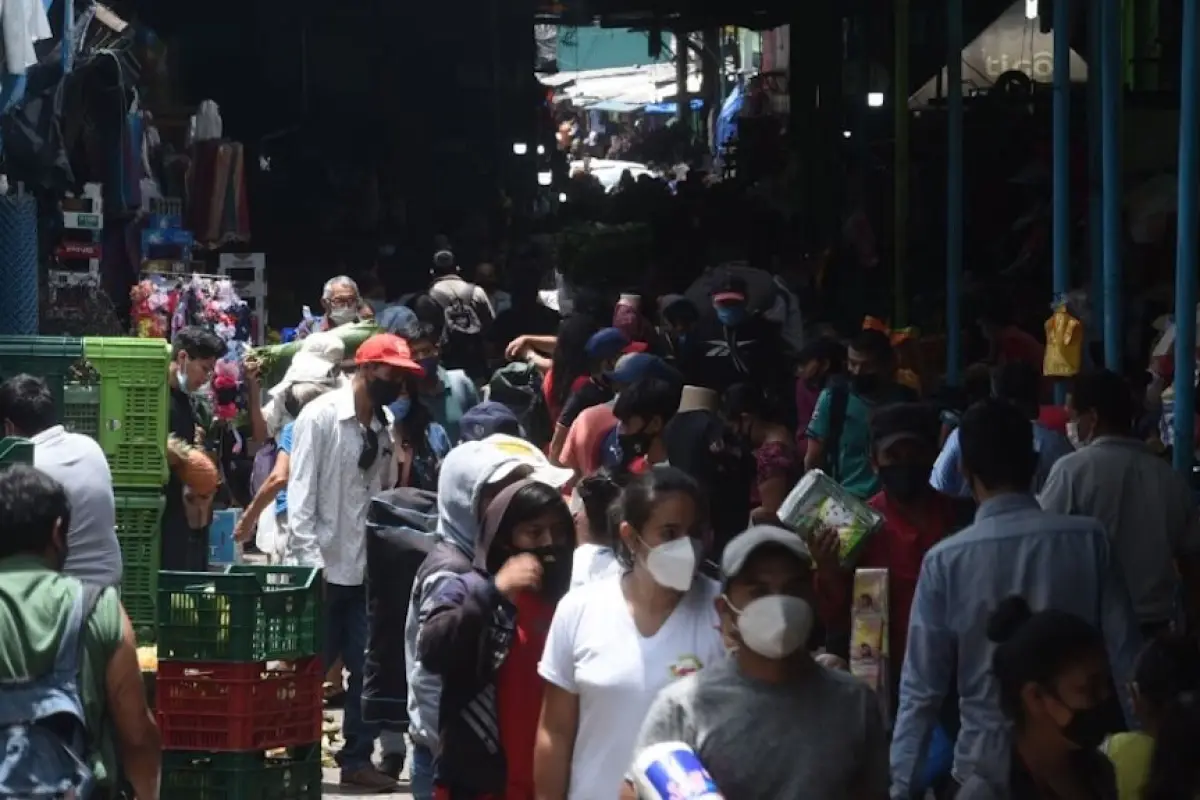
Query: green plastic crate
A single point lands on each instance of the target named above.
(133, 407)
(14, 450)
(247, 613)
(294, 774)
(47, 357)
(139, 532)
(81, 409)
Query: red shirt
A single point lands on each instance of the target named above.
(548, 382)
(1054, 418)
(898, 546)
(519, 693)
(1014, 344)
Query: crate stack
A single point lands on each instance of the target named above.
(115, 391)
(239, 692)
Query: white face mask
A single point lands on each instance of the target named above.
(775, 626)
(343, 315)
(673, 564)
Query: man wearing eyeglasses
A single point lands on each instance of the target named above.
(342, 455)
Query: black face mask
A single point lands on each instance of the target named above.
(905, 482)
(383, 392)
(556, 570)
(1089, 726)
(633, 445)
(865, 383)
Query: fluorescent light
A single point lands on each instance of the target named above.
(562, 197)
(846, 134)
(545, 178)
(520, 148)
(875, 99)
(541, 149)
(1031, 9)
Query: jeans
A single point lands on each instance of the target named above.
(392, 743)
(421, 776)
(346, 636)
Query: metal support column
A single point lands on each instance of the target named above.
(1110, 109)
(1095, 180)
(954, 190)
(901, 177)
(1062, 160)
(1187, 241)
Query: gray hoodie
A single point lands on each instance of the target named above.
(466, 470)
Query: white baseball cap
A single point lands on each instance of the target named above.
(526, 456)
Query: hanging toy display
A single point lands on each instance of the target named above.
(1064, 344)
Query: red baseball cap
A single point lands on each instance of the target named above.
(387, 348)
(635, 347)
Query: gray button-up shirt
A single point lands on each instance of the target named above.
(1014, 547)
(1147, 508)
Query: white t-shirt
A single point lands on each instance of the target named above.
(594, 650)
(592, 562)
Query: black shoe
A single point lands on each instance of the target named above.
(392, 764)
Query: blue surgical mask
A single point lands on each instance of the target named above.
(731, 316)
(401, 407)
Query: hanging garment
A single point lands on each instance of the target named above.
(24, 23)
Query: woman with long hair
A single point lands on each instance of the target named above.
(1159, 762)
(483, 637)
(615, 642)
(1055, 687)
(598, 495)
(421, 443)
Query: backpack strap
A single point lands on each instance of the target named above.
(69, 659)
(839, 401)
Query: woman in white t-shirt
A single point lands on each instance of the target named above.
(615, 642)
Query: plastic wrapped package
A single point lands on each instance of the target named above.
(818, 501)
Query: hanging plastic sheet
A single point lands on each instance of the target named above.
(727, 119)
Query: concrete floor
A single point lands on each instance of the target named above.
(333, 791)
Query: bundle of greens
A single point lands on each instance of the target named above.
(274, 359)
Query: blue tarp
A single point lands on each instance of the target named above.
(670, 108)
(727, 119)
(614, 106)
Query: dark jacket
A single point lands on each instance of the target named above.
(717, 356)
(466, 633)
(400, 533)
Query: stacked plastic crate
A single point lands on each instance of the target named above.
(239, 690)
(114, 390)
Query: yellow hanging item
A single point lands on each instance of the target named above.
(1064, 345)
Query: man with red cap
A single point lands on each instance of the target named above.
(342, 455)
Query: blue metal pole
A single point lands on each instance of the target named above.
(68, 36)
(1110, 108)
(1062, 160)
(1095, 183)
(1187, 241)
(954, 191)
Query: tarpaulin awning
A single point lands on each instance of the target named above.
(613, 106)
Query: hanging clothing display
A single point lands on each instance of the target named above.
(218, 212)
(163, 304)
(25, 23)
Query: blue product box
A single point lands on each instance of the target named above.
(222, 549)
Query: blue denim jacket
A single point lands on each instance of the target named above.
(1014, 547)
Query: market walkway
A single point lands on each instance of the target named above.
(332, 791)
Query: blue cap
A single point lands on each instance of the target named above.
(634, 367)
(399, 320)
(481, 421)
(606, 343)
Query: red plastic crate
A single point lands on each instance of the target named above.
(219, 706)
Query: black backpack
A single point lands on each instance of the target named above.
(519, 387)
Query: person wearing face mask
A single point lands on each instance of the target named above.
(642, 412)
(421, 443)
(473, 475)
(678, 317)
(342, 303)
(819, 362)
(342, 456)
(777, 466)
(64, 637)
(193, 476)
(615, 642)
(1148, 509)
(500, 610)
(1053, 685)
(839, 431)
(915, 518)
(446, 394)
(1055, 561)
(731, 344)
(772, 691)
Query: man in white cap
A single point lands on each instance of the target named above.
(771, 690)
